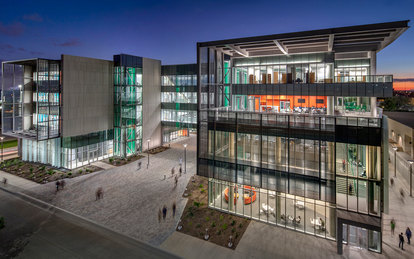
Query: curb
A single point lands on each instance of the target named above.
(89, 224)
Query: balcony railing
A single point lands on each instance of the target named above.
(290, 120)
(307, 79)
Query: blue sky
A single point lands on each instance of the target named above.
(169, 30)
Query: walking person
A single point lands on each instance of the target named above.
(401, 243)
(176, 181)
(4, 181)
(181, 171)
(350, 188)
(408, 234)
(138, 166)
(57, 185)
(164, 212)
(181, 161)
(172, 172)
(174, 206)
(392, 223)
(99, 193)
(343, 165)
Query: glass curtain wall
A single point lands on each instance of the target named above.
(81, 150)
(45, 151)
(12, 91)
(128, 108)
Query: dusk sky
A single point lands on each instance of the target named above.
(169, 30)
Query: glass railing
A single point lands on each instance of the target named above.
(307, 78)
(289, 120)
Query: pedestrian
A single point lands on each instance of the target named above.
(62, 184)
(181, 171)
(4, 181)
(350, 188)
(99, 193)
(408, 234)
(172, 172)
(343, 165)
(401, 243)
(181, 161)
(175, 206)
(57, 185)
(139, 166)
(164, 212)
(392, 223)
(159, 215)
(392, 181)
(402, 194)
(176, 181)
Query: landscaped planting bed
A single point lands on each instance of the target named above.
(197, 217)
(41, 173)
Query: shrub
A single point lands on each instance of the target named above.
(42, 168)
(200, 186)
(233, 223)
(233, 230)
(70, 173)
(207, 219)
(221, 217)
(190, 223)
(241, 225)
(129, 159)
(197, 204)
(202, 191)
(219, 232)
(198, 225)
(80, 171)
(237, 235)
(50, 172)
(213, 225)
(111, 160)
(31, 169)
(224, 226)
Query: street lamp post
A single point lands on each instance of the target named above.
(148, 141)
(395, 161)
(411, 177)
(2, 138)
(185, 158)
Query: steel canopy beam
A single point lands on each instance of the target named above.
(238, 50)
(281, 47)
(330, 42)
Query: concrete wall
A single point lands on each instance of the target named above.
(87, 90)
(151, 103)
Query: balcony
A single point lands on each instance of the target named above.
(368, 86)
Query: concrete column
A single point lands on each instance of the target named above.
(278, 150)
(330, 105)
(331, 157)
(374, 107)
(373, 58)
(231, 197)
(231, 145)
(339, 237)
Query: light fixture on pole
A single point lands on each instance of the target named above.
(148, 141)
(1, 138)
(185, 158)
(411, 177)
(395, 161)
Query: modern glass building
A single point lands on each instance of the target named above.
(289, 132)
(178, 101)
(76, 110)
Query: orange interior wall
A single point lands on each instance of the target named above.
(274, 100)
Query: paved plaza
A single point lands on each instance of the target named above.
(132, 197)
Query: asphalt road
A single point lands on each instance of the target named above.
(34, 232)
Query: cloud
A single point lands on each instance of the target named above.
(14, 29)
(69, 43)
(9, 49)
(33, 17)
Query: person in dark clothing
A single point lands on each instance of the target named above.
(401, 243)
(174, 206)
(408, 234)
(164, 212)
(57, 185)
(350, 188)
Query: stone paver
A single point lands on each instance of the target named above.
(132, 197)
(103, 165)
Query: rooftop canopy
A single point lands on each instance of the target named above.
(371, 37)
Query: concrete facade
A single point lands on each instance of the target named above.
(151, 106)
(87, 90)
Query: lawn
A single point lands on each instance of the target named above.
(11, 143)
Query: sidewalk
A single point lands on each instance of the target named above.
(17, 183)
